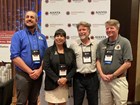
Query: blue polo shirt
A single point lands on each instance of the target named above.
(22, 44)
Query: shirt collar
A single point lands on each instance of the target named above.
(27, 30)
(81, 43)
(118, 39)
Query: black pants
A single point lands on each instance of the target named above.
(27, 89)
(88, 83)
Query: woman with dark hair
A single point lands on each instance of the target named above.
(60, 66)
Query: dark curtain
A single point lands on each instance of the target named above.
(12, 13)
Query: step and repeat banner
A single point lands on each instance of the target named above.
(66, 14)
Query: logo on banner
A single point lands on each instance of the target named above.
(53, 25)
(77, 12)
(96, 12)
(74, 24)
(68, 12)
(101, 12)
(92, 12)
(100, 37)
(74, 12)
(46, 25)
(55, 13)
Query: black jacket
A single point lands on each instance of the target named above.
(51, 66)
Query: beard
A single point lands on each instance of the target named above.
(82, 37)
(30, 27)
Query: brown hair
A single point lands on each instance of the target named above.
(85, 24)
(113, 22)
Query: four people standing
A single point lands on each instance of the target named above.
(60, 66)
(27, 51)
(86, 78)
(114, 56)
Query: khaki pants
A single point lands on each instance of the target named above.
(114, 92)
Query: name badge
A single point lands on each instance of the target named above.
(108, 57)
(62, 70)
(36, 56)
(87, 57)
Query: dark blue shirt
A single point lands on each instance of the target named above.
(22, 44)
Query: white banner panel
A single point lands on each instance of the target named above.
(66, 14)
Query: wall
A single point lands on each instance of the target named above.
(126, 11)
(137, 95)
(12, 13)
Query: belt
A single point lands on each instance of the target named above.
(85, 74)
(121, 75)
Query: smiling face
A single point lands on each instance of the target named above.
(59, 40)
(83, 32)
(30, 20)
(111, 31)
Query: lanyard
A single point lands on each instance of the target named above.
(111, 44)
(86, 56)
(30, 41)
(82, 48)
(109, 52)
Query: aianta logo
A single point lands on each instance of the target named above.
(46, 25)
(46, 13)
(47, 37)
(55, 13)
(92, 12)
(69, 25)
(101, 12)
(68, 12)
(100, 37)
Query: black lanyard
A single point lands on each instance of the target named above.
(109, 52)
(86, 56)
(30, 41)
(111, 44)
(82, 48)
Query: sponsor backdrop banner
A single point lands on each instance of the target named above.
(66, 14)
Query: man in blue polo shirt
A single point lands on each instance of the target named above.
(27, 51)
